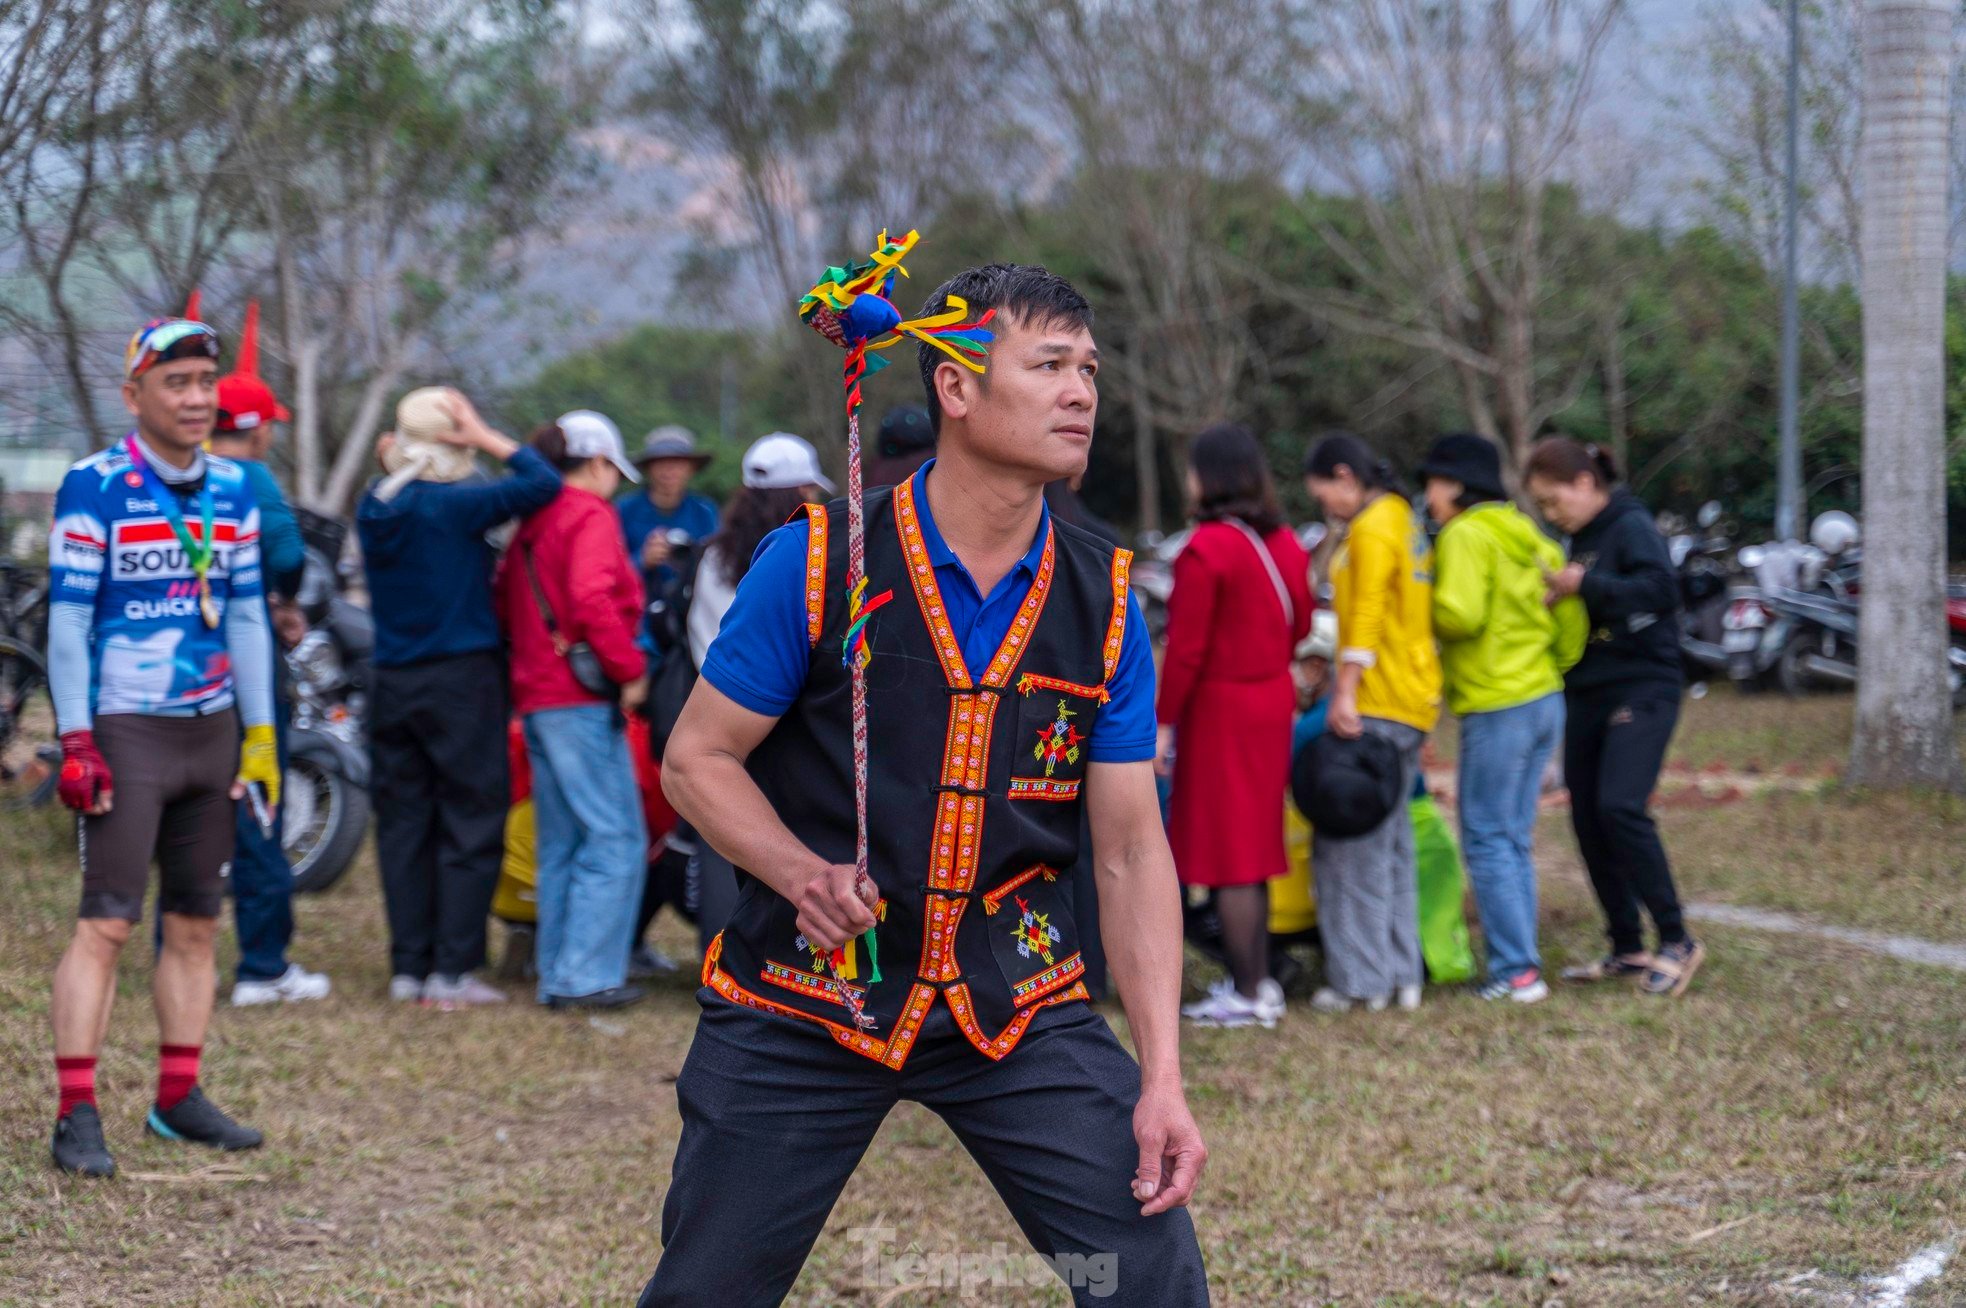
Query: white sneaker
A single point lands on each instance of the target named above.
(1408, 997)
(1528, 988)
(1269, 994)
(291, 986)
(405, 989)
(1227, 1006)
(452, 992)
(1327, 1000)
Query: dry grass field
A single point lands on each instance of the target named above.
(1793, 1127)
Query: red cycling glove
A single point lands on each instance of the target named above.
(84, 775)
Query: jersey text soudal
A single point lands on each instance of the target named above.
(114, 548)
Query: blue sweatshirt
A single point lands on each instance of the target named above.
(281, 550)
(429, 566)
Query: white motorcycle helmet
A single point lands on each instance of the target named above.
(1833, 532)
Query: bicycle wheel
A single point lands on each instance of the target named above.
(30, 748)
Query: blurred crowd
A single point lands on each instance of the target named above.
(537, 632)
(524, 693)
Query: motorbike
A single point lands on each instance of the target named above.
(1813, 625)
(1820, 648)
(1708, 589)
(325, 792)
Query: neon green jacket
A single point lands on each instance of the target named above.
(1500, 645)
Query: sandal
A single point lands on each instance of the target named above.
(1673, 968)
(1612, 967)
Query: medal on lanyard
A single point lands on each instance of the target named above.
(197, 552)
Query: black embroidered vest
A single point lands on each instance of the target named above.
(973, 793)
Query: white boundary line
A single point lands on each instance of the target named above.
(1910, 948)
(1894, 1291)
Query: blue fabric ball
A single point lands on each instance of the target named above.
(868, 317)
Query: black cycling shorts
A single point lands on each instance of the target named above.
(171, 799)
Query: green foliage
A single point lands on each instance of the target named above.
(1697, 323)
(656, 375)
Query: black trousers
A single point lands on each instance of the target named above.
(1614, 743)
(441, 789)
(776, 1117)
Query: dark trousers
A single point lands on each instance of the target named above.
(776, 1117)
(262, 879)
(1614, 743)
(716, 892)
(441, 789)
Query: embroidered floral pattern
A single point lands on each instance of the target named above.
(1034, 932)
(1058, 742)
(1055, 792)
(809, 984)
(1116, 627)
(1072, 965)
(816, 572)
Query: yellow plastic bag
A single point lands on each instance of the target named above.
(1293, 906)
(517, 896)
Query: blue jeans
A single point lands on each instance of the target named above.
(263, 882)
(1502, 759)
(593, 848)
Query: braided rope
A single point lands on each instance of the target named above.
(856, 573)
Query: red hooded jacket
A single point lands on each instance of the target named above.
(593, 590)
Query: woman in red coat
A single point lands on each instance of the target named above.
(565, 582)
(1241, 602)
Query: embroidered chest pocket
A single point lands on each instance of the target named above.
(1032, 935)
(1054, 732)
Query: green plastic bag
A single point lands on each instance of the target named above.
(1443, 928)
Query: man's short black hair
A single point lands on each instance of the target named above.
(1033, 295)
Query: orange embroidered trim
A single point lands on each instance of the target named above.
(1116, 628)
(994, 898)
(958, 997)
(921, 573)
(1044, 788)
(1019, 634)
(816, 573)
(806, 983)
(928, 595)
(957, 846)
(893, 1051)
(1031, 681)
(1066, 970)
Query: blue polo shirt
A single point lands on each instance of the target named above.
(761, 655)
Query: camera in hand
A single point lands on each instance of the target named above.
(669, 587)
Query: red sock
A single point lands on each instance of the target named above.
(177, 1072)
(77, 1078)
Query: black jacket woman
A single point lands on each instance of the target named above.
(1622, 699)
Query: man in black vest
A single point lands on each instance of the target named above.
(1009, 682)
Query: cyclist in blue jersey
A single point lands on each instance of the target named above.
(158, 652)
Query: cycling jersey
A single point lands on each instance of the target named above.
(115, 554)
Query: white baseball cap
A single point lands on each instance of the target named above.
(589, 433)
(781, 461)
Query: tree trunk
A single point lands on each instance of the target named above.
(1515, 382)
(1617, 419)
(305, 352)
(359, 444)
(1146, 445)
(1904, 714)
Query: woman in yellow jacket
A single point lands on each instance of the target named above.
(1388, 686)
(1503, 652)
